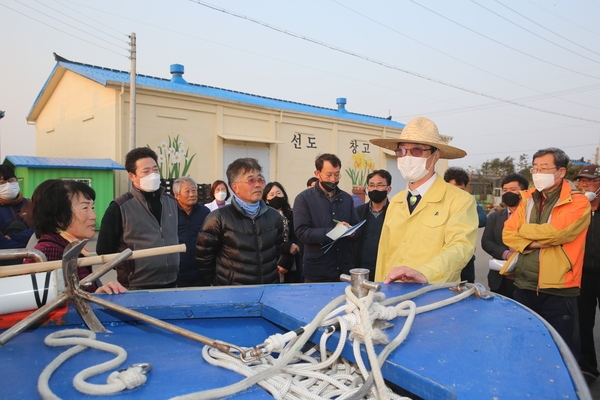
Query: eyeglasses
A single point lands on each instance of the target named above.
(379, 186)
(253, 181)
(9, 180)
(415, 151)
(330, 174)
(586, 181)
(535, 170)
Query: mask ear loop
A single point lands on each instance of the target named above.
(432, 164)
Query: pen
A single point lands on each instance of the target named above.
(336, 221)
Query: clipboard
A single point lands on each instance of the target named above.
(339, 232)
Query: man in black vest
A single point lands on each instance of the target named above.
(143, 218)
(365, 248)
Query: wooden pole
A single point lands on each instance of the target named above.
(23, 269)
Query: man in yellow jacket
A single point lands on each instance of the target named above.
(430, 229)
(547, 231)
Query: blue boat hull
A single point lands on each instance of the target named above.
(475, 349)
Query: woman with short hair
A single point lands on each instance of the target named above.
(219, 193)
(64, 213)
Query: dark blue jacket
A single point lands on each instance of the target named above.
(314, 213)
(21, 212)
(188, 228)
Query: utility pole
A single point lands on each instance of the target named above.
(132, 95)
(1, 116)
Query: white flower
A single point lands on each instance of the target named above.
(178, 157)
(161, 158)
(164, 145)
(182, 149)
(180, 143)
(171, 150)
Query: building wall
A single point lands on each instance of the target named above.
(100, 180)
(85, 119)
(77, 121)
(204, 126)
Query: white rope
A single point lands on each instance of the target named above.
(320, 374)
(293, 374)
(82, 339)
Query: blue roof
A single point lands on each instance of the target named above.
(105, 75)
(579, 162)
(71, 163)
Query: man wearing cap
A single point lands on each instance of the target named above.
(589, 181)
(430, 229)
(547, 231)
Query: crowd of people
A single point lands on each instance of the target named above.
(546, 237)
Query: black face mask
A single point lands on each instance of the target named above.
(329, 186)
(377, 196)
(277, 202)
(511, 199)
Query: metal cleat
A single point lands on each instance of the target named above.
(359, 280)
(479, 290)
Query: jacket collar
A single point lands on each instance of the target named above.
(262, 209)
(336, 193)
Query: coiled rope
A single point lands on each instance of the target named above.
(318, 373)
(82, 339)
(314, 374)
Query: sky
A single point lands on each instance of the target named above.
(502, 77)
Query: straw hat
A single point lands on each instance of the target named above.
(421, 130)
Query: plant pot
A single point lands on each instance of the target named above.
(359, 191)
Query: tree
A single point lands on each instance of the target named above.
(573, 171)
(488, 176)
(523, 166)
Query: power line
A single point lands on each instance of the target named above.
(68, 16)
(533, 33)
(60, 30)
(522, 151)
(456, 58)
(564, 19)
(527, 98)
(500, 43)
(386, 65)
(543, 27)
(74, 27)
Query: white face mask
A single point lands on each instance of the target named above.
(220, 195)
(543, 181)
(9, 190)
(412, 168)
(592, 195)
(150, 183)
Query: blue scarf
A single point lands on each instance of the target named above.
(249, 209)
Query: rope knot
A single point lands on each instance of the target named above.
(132, 377)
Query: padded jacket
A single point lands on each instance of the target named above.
(314, 215)
(234, 249)
(560, 264)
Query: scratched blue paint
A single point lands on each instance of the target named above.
(474, 349)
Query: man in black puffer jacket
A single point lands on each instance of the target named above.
(240, 243)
